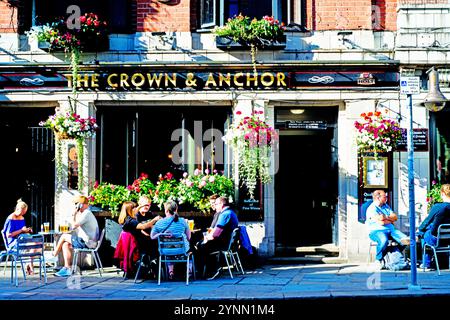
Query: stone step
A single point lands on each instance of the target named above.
(310, 259)
(326, 250)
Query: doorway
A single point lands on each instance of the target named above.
(28, 153)
(306, 183)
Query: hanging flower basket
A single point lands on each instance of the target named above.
(70, 126)
(376, 133)
(253, 33)
(252, 140)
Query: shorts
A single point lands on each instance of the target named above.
(78, 243)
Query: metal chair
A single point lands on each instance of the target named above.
(172, 249)
(442, 245)
(28, 247)
(5, 253)
(93, 252)
(232, 253)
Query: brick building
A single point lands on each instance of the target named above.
(341, 58)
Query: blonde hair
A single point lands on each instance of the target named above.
(21, 204)
(144, 199)
(445, 189)
(81, 199)
(127, 210)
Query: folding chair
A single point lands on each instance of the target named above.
(442, 245)
(232, 253)
(28, 247)
(172, 249)
(5, 253)
(93, 252)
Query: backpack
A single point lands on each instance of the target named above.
(394, 260)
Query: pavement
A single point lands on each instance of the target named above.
(268, 282)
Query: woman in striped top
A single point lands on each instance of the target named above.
(172, 224)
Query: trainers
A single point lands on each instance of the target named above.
(64, 272)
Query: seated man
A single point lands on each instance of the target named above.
(84, 234)
(439, 214)
(219, 237)
(380, 223)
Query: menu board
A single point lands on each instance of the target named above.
(420, 140)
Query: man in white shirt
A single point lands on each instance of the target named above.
(85, 232)
(380, 223)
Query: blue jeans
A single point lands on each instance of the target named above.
(431, 240)
(381, 237)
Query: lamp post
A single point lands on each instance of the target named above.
(434, 101)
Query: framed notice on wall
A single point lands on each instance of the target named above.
(375, 172)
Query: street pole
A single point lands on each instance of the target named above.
(412, 211)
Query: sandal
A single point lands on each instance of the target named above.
(30, 270)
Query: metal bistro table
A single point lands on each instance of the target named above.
(51, 238)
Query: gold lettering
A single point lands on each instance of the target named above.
(110, 83)
(250, 78)
(124, 80)
(226, 79)
(69, 80)
(280, 79)
(211, 80)
(94, 80)
(236, 76)
(172, 80)
(152, 77)
(134, 77)
(271, 79)
(85, 80)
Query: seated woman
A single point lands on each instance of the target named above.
(127, 219)
(172, 224)
(14, 226)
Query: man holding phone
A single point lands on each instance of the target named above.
(85, 232)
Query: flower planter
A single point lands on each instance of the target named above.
(226, 43)
(44, 45)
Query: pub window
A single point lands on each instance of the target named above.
(291, 12)
(118, 14)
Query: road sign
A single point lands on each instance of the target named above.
(409, 85)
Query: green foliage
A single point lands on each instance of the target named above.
(165, 189)
(109, 196)
(193, 190)
(252, 32)
(434, 195)
(196, 189)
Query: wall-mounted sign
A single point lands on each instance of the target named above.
(366, 79)
(420, 140)
(148, 78)
(303, 124)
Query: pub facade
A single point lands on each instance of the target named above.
(164, 100)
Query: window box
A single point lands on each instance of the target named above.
(226, 43)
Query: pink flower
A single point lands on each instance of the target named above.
(196, 172)
(206, 171)
(185, 175)
(202, 184)
(212, 179)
